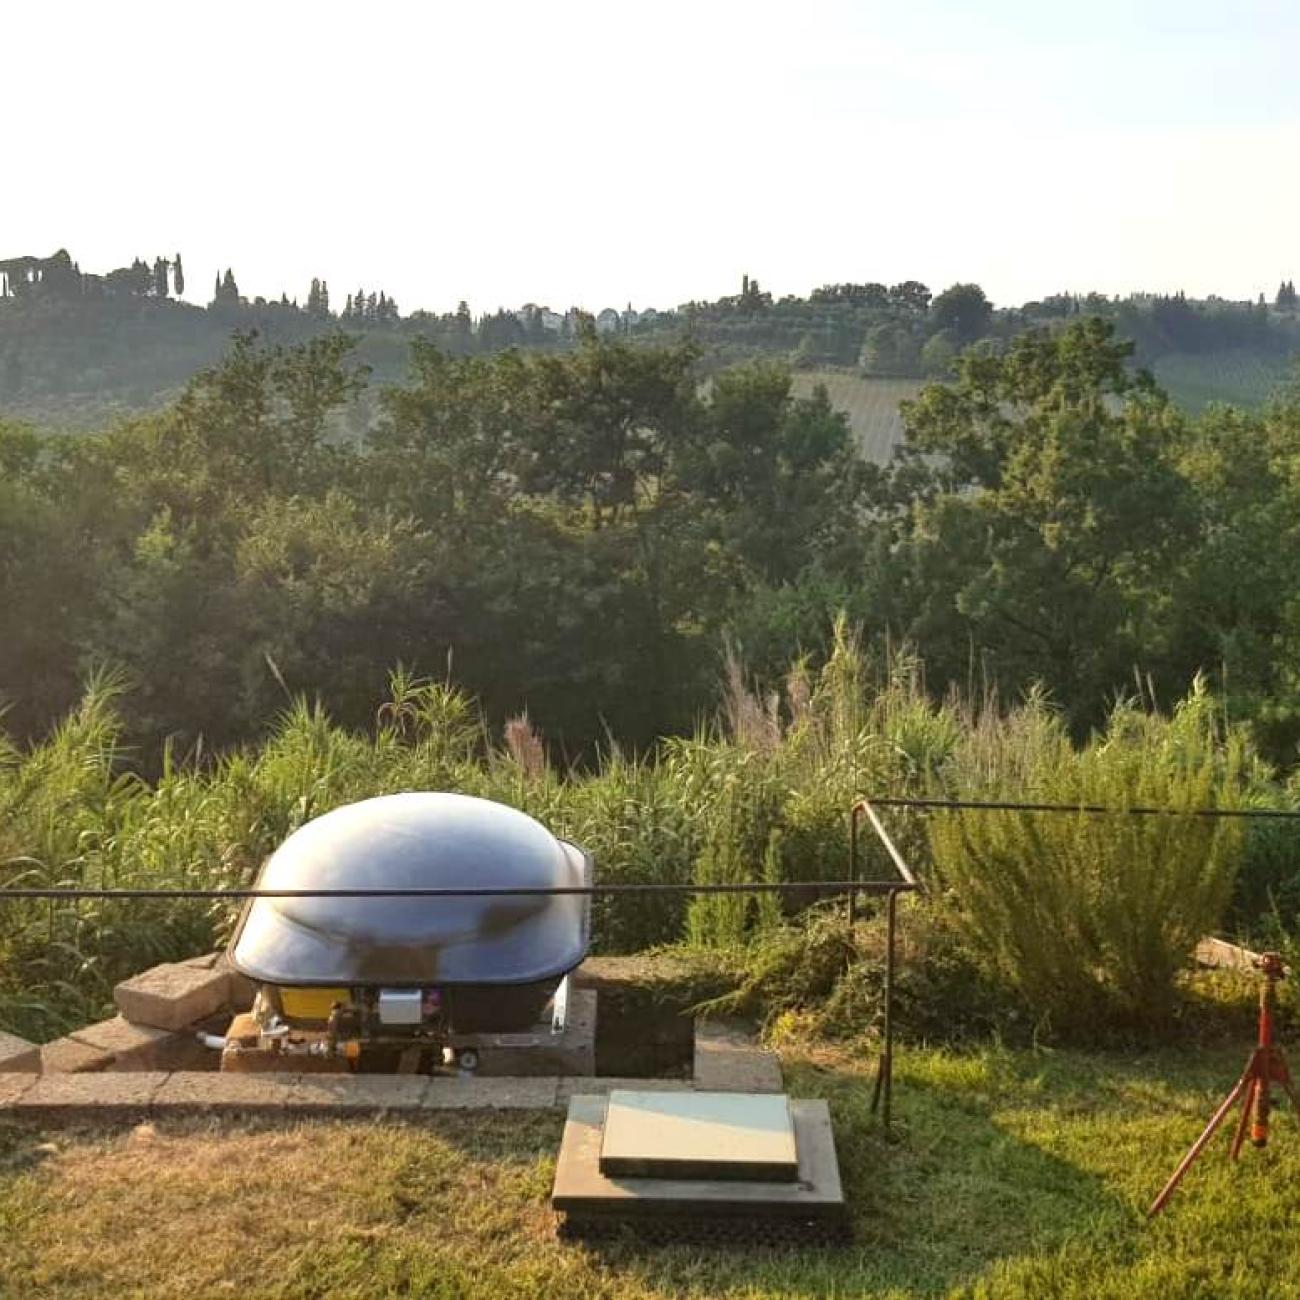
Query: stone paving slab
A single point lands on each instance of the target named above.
(173, 996)
(491, 1094)
(88, 1096)
(225, 1094)
(18, 1056)
(140, 1047)
(12, 1086)
(68, 1056)
(358, 1093)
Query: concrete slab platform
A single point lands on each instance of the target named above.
(18, 1056)
(582, 1192)
(723, 1135)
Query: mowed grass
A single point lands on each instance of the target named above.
(1010, 1174)
(871, 405)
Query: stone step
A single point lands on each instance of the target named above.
(727, 1059)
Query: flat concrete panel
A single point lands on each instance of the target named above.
(583, 1193)
(724, 1135)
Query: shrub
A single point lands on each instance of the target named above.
(1089, 918)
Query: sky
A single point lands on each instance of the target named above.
(600, 152)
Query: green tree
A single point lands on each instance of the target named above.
(1042, 516)
(964, 311)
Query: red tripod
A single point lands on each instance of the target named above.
(1266, 1066)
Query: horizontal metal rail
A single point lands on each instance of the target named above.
(467, 891)
(1008, 805)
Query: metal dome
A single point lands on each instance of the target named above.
(417, 841)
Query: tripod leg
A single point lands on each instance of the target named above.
(1199, 1145)
(1282, 1073)
(1247, 1105)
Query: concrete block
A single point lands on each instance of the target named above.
(138, 1047)
(242, 990)
(490, 1094)
(67, 1056)
(12, 1086)
(18, 1056)
(173, 996)
(225, 1094)
(358, 1094)
(728, 1060)
(205, 962)
(89, 1096)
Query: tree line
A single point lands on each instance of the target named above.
(581, 533)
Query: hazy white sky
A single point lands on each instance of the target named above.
(601, 151)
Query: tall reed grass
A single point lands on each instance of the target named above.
(1087, 914)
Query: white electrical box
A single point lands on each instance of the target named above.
(401, 1006)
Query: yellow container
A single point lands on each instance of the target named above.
(312, 1004)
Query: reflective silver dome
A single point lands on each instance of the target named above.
(417, 841)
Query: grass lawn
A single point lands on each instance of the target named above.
(1011, 1174)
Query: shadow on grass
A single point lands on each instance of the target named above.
(950, 1193)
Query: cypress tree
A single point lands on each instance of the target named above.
(178, 276)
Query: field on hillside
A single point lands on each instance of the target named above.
(1009, 1174)
(1234, 377)
(871, 405)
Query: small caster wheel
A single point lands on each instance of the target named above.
(467, 1060)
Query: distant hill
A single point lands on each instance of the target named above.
(79, 351)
